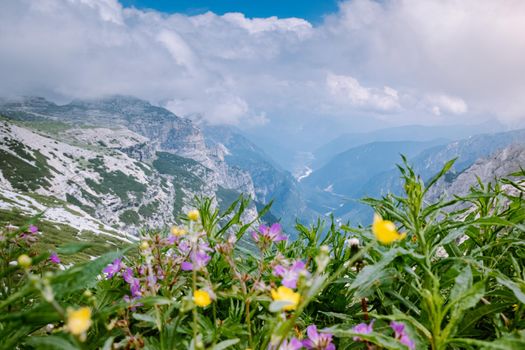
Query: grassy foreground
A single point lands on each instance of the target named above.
(444, 275)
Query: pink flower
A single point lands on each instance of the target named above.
(318, 341)
(290, 274)
(54, 258)
(292, 344)
(113, 268)
(32, 229)
(363, 328)
(400, 334)
(267, 234)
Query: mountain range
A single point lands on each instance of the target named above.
(126, 164)
(112, 166)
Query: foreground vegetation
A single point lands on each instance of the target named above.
(444, 275)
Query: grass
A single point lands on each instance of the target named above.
(56, 234)
(26, 171)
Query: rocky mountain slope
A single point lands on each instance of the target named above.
(119, 160)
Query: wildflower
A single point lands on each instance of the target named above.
(292, 344)
(400, 334)
(267, 234)
(78, 321)
(201, 298)
(286, 294)
(199, 257)
(144, 245)
(32, 229)
(385, 231)
(177, 231)
(113, 268)
(54, 258)
(318, 341)
(133, 282)
(291, 274)
(193, 215)
(24, 260)
(363, 328)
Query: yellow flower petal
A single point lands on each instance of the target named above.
(193, 215)
(286, 294)
(177, 231)
(201, 298)
(78, 321)
(385, 231)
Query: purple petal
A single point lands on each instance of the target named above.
(312, 333)
(186, 266)
(294, 344)
(279, 270)
(398, 328)
(290, 282)
(128, 275)
(408, 342)
(275, 229)
(54, 258)
(33, 229)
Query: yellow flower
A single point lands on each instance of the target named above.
(144, 245)
(385, 231)
(201, 298)
(286, 294)
(177, 231)
(515, 307)
(193, 215)
(24, 261)
(78, 321)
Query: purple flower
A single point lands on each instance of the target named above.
(291, 274)
(292, 344)
(54, 258)
(199, 257)
(318, 341)
(405, 340)
(32, 229)
(134, 283)
(269, 234)
(398, 327)
(113, 268)
(363, 328)
(400, 334)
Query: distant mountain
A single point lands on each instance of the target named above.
(270, 181)
(502, 163)
(427, 163)
(402, 133)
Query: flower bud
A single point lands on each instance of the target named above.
(24, 260)
(144, 245)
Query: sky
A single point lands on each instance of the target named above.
(292, 73)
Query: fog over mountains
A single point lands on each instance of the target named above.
(116, 164)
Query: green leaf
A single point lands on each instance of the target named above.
(277, 306)
(463, 283)
(514, 287)
(72, 248)
(51, 342)
(144, 317)
(225, 344)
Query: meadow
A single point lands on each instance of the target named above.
(442, 275)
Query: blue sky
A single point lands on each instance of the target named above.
(311, 10)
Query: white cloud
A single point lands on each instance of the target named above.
(449, 104)
(410, 59)
(347, 89)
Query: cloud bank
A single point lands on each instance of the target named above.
(404, 61)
